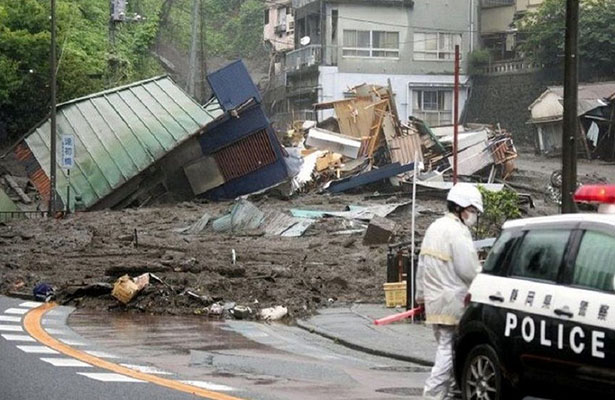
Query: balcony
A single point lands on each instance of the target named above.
(304, 57)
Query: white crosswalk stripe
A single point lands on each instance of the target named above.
(7, 318)
(37, 349)
(18, 338)
(72, 342)
(54, 331)
(100, 354)
(66, 362)
(16, 311)
(11, 328)
(146, 370)
(30, 304)
(209, 386)
(109, 377)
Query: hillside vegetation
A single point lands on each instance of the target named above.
(93, 57)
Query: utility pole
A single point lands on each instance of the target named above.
(194, 50)
(203, 86)
(456, 116)
(571, 122)
(52, 124)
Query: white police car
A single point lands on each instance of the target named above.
(541, 315)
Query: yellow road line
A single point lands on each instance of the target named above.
(32, 324)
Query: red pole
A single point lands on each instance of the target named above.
(456, 114)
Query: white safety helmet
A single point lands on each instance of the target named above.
(466, 195)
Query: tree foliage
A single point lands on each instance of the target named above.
(499, 207)
(544, 34)
(89, 60)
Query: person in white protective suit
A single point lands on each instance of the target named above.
(447, 265)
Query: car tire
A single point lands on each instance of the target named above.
(482, 378)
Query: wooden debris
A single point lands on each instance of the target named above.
(13, 185)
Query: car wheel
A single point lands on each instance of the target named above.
(482, 378)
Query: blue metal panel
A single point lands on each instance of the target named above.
(369, 177)
(231, 129)
(233, 86)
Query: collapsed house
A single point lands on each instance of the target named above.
(595, 111)
(366, 142)
(149, 139)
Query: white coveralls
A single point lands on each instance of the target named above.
(447, 265)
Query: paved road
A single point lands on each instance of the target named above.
(267, 361)
(31, 371)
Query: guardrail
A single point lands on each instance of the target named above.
(6, 216)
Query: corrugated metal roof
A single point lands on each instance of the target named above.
(598, 90)
(120, 133)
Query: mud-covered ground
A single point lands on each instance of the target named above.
(303, 273)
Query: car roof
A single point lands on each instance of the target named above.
(562, 220)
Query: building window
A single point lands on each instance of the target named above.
(433, 106)
(267, 17)
(371, 44)
(435, 45)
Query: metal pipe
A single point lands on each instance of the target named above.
(456, 115)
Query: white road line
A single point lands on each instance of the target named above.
(11, 328)
(52, 321)
(100, 354)
(37, 349)
(146, 370)
(209, 386)
(7, 318)
(72, 342)
(109, 377)
(17, 311)
(30, 304)
(66, 362)
(54, 331)
(18, 338)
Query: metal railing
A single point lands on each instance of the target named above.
(509, 67)
(6, 216)
(303, 57)
(497, 3)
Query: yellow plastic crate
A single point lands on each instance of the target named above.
(395, 294)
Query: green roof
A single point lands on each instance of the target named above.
(119, 133)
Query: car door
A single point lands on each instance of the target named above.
(585, 324)
(527, 298)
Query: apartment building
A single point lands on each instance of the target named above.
(343, 43)
(497, 30)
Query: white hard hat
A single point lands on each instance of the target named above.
(466, 195)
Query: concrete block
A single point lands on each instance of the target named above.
(379, 231)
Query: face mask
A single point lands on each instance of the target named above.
(470, 218)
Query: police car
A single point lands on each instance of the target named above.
(541, 315)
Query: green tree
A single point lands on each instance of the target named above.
(544, 33)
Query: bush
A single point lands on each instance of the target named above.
(478, 59)
(498, 208)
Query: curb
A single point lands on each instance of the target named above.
(312, 329)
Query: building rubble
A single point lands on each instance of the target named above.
(368, 144)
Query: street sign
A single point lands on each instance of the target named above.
(68, 151)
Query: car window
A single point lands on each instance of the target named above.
(595, 264)
(499, 249)
(540, 254)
